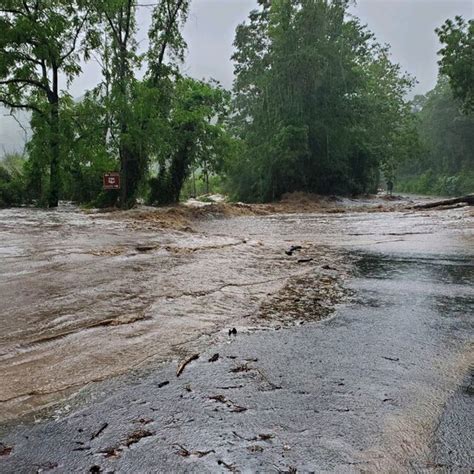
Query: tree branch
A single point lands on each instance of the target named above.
(13, 105)
(112, 26)
(170, 23)
(15, 118)
(30, 82)
(13, 12)
(26, 7)
(76, 36)
(129, 15)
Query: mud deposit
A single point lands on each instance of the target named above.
(382, 385)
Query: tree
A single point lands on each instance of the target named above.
(195, 137)
(41, 40)
(457, 58)
(319, 106)
(445, 163)
(131, 118)
(120, 26)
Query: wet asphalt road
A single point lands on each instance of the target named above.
(381, 386)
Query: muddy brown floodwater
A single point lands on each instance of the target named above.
(383, 383)
(80, 303)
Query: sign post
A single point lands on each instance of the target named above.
(111, 180)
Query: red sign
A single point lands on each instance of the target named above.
(112, 181)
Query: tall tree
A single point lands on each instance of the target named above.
(318, 104)
(119, 17)
(195, 137)
(457, 58)
(40, 41)
(130, 102)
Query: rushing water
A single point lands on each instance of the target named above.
(373, 388)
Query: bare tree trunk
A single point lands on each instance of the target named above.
(469, 200)
(54, 178)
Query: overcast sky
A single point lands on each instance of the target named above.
(407, 25)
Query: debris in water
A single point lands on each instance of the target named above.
(95, 470)
(111, 452)
(234, 407)
(82, 448)
(185, 362)
(260, 437)
(146, 247)
(393, 359)
(5, 450)
(241, 368)
(136, 436)
(186, 453)
(305, 260)
(145, 421)
(233, 332)
(163, 384)
(99, 432)
(218, 398)
(230, 467)
(293, 248)
(255, 449)
(214, 358)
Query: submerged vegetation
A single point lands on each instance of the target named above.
(317, 106)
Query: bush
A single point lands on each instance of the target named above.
(12, 183)
(439, 185)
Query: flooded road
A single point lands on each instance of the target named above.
(87, 297)
(384, 384)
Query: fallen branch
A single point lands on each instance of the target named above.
(183, 364)
(99, 432)
(186, 453)
(469, 200)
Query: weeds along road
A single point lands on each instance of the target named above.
(383, 384)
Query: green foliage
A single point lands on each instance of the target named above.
(39, 40)
(318, 104)
(196, 138)
(429, 183)
(457, 58)
(12, 185)
(446, 160)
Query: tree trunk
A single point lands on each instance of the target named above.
(469, 199)
(54, 177)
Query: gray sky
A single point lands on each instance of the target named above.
(407, 25)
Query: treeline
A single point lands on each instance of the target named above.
(317, 105)
(444, 164)
(152, 130)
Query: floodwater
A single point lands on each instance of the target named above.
(383, 385)
(80, 303)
